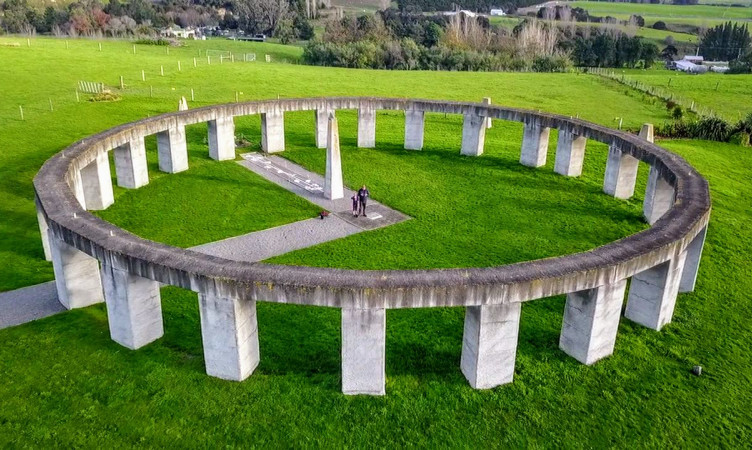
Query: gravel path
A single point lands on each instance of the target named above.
(35, 302)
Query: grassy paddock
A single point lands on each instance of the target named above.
(67, 384)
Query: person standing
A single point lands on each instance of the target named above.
(363, 195)
(355, 204)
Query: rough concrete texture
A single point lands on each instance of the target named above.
(366, 127)
(273, 131)
(692, 262)
(591, 320)
(487, 101)
(29, 303)
(646, 132)
(473, 135)
(261, 245)
(77, 186)
(659, 197)
(363, 351)
(222, 138)
(489, 344)
(652, 294)
(229, 332)
(172, 149)
(570, 154)
(42, 221)
(621, 174)
(130, 164)
(76, 275)
(414, 128)
(134, 307)
(333, 185)
(322, 126)
(534, 145)
(97, 183)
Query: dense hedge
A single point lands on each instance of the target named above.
(472, 5)
(710, 128)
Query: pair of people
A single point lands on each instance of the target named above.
(359, 201)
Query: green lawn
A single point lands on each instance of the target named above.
(700, 15)
(68, 385)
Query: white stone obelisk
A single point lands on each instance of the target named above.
(333, 186)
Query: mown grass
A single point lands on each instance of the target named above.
(67, 384)
(700, 15)
(726, 95)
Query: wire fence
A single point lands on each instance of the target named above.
(661, 93)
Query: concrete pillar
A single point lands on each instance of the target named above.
(621, 173)
(322, 126)
(489, 344)
(134, 307)
(487, 101)
(570, 154)
(693, 254)
(229, 332)
(76, 275)
(652, 294)
(534, 145)
(130, 164)
(363, 351)
(97, 183)
(333, 186)
(42, 221)
(222, 138)
(273, 131)
(414, 127)
(473, 134)
(659, 197)
(77, 186)
(591, 320)
(366, 127)
(646, 132)
(173, 152)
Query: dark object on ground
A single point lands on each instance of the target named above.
(697, 370)
(323, 214)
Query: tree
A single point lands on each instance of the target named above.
(260, 16)
(725, 42)
(669, 53)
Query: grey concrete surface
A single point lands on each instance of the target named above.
(621, 174)
(130, 164)
(222, 138)
(363, 351)
(29, 303)
(570, 154)
(473, 134)
(172, 149)
(534, 145)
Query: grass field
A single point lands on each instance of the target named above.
(699, 15)
(727, 95)
(67, 384)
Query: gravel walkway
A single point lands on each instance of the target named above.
(35, 302)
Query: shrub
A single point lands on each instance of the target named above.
(105, 96)
(149, 41)
(678, 113)
(659, 25)
(740, 138)
(712, 129)
(670, 104)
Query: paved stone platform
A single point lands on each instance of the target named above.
(35, 302)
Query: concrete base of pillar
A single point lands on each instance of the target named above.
(489, 122)
(659, 197)
(366, 128)
(130, 165)
(693, 254)
(273, 132)
(173, 152)
(591, 321)
(652, 294)
(134, 308)
(621, 174)
(229, 332)
(414, 127)
(222, 139)
(97, 183)
(570, 154)
(76, 275)
(646, 132)
(489, 344)
(534, 145)
(473, 135)
(42, 221)
(363, 351)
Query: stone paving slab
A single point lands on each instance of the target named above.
(29, 303)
